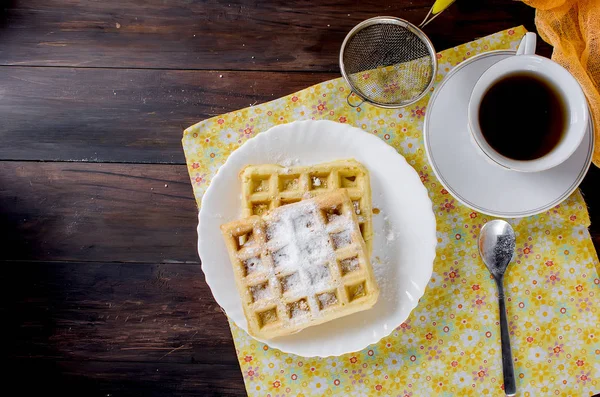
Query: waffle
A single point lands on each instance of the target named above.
(300, 265)
(269, 186)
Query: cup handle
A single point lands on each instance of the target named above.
(527, 45)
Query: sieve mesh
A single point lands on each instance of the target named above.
(388, 62)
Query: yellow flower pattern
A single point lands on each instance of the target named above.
(450, 344)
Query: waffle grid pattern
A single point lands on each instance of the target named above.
(281, 295)
(265, 187)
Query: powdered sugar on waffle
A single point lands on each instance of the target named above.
(342, 239)
(297, 237)
(286, 163)
(260, 292)
(300, 244)
(252, 264)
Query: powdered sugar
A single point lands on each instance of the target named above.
(247, 240)
(297, 237)
(301, 248)
(318, 274)
(260, 292)
(288, 162)
(284, 257)
(341, 239)
(387, 236)
(304, 223)
(274, 229)
(499, 254)
(327, 299)
(252, 265)
(349, 265)
(390, 236)
(298, 309)
(290, 282)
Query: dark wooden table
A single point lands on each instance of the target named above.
(103, 292)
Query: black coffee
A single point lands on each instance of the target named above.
(522, 116)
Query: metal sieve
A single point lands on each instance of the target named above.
(388, 61)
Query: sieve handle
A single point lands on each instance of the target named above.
(350, 103)
(438, 7)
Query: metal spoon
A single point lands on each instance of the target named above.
(497, 247)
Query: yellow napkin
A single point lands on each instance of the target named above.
(450, 344)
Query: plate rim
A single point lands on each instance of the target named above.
(473, 206)
(432, 251)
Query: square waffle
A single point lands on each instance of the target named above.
(269, 186)
(300, 265)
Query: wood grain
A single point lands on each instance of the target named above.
(106, 115)
(97, 212)
(115, 329)
(107, 379)
(117, 212)
(591, 195)
(104, 294)
(235, 35)
(113, 312)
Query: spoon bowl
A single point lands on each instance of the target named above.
(497, 246)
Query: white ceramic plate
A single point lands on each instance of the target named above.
(469, 176)
(405, 263)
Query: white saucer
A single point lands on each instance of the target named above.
(468, 176)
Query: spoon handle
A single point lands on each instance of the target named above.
(510, 388)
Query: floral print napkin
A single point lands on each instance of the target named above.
(450, 344)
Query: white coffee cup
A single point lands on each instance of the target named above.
(567, 87)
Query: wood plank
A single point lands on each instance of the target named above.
(117, 212)
(234, 35)
(162, 313)
(99, 212)
(106, 379)
(591, 194)
(112, 115)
